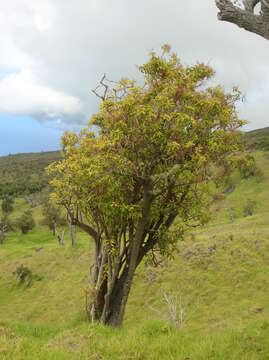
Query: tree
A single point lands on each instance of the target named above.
(5, 223)
(5, 226)
(242, 13)
(26, 222)
(143, 179)
(7, 204)
(3, 230)
(52, 215)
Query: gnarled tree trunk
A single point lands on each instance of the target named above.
(112, 275)
(244, 16)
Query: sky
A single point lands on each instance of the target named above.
(53, 52)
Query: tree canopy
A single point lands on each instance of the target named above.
(137, 183)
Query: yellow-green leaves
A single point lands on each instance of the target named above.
(169, 130)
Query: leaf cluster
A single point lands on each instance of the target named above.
(169, 137)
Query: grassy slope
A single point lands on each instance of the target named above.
(221, 273)
(259, 138)
(24, 173)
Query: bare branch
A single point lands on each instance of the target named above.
(117, 93)
(101, 85)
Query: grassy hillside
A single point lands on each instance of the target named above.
(258, 139)
(220, 275)
(24, 173)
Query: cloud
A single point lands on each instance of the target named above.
(21, 93)
(66, 46)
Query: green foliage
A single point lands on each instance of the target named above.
(164, 135)
(226, 293)
(24, 275)
(5, 220)
(7, 204)
(52, 214)
(26, 222)
(24, 174)
(248, 166)
(258, 139)
(145, 177)
(6, 225)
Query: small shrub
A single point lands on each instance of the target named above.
(174, 311)
(26, 222)
(24, 275)
(249, 207)
(248, 167)
(7, 204)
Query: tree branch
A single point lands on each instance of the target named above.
(245, 18)
(250, 4)
(86, 228)
(101, 85)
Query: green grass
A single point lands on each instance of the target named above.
(153, 340)
(258, 139)
(220, 272)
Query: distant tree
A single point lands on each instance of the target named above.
(53, 218)
(3, 231)
(137, 185)
(26, 222)
(5, 227)
(242, 13)
(52, 215)
(248, 167)
(7, 204)
(5, 223)
(32, 199)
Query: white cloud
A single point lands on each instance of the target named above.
(21, 93)
(67, 45)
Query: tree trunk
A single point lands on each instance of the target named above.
(98, 302)
(72, 233)
(117, 308)
(118, 286)
(60, 238)
(115, 303)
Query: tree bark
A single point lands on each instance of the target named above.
(117, 296)
(245, 17)
(113, 270)
(117, 256)
(72, 233)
